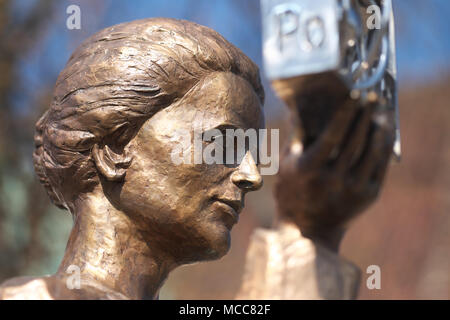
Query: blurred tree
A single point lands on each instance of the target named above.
(18, 35)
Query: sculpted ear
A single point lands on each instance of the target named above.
(111, 165)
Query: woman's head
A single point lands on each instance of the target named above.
(117, 109)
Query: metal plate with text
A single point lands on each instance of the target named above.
(300, 37)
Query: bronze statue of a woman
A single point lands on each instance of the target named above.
(123, 103)
(103, 152)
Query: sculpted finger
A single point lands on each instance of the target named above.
(389, 138)
(375, 158)
(331, 139)
(357, 139)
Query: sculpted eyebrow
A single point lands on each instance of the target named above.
(222, 127)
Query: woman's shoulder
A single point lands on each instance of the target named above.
(25, 288)
(53, 288)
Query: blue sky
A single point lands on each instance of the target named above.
(423, 26)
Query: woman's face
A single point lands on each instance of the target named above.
(189, 208)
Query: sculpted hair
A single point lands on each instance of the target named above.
(113, 83)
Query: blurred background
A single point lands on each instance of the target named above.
(406, 232)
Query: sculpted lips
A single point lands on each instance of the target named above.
(230, 206)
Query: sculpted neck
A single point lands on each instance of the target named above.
(112, 253)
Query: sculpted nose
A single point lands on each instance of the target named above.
(247, 176)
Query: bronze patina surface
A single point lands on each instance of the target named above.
(103, 152)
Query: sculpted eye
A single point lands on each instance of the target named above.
(213, 136)
(224, 140)
(219, 139)
(220, 142)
